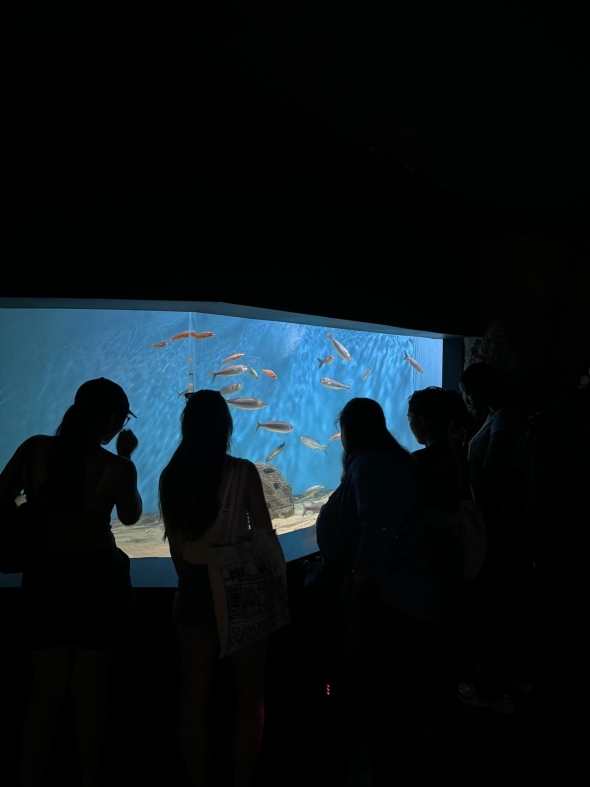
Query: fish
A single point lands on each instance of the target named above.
(202, 335)
(157, 345)
(230, 389)
(189, 392)
(247, 403)
(194, 334)
(312, 443)
(366, 373)
(253, 373)
(229, 371)
(334, 385)
(269, 373)
(340, 349)
(335, 436)
(312, 508)
(312, 490)
(326, 361)
(233, 357)
(275, 452)
(274, 426)
(413, 363)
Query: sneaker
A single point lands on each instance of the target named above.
(468, 696)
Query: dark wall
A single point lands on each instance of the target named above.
(535, 311)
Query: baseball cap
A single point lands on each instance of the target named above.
(103, 394)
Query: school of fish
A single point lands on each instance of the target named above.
(228, 368)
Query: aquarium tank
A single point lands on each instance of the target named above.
(285, 383)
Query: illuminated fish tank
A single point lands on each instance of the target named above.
(285, 382)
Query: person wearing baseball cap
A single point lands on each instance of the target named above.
(77, 591)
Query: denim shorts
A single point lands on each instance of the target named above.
(84, 599)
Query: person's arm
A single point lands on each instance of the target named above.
(128, 502)
(255, 500)
(12, 478)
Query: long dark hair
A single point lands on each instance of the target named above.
(189, 484)
(67, 460)
(364, 424)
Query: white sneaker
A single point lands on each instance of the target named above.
(468, 696)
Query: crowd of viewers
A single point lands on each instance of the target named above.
(429, 567)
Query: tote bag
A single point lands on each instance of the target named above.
(247, 573)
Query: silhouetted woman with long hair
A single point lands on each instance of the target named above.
(76, 583)
(371, 525)
(192, 488)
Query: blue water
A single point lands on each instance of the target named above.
(46, 354)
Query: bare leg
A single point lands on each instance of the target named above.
(90, 681)
(249, 665)
(50, 687)
(199, 651)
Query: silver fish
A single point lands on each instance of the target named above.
(275, 452)
(229, 371)
(247, 403)
(312, 508)
(312, 443)
(326, 361)
(274, 426)
(312, 490)
(366, 373)
(334, 385)
(340, 349)
(253, 373)
(230, 389)
(413, 363)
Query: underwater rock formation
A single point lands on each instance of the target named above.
(277, 491)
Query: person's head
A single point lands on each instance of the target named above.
(363, 428)
(189, 484)
(430, 414)
(483, 387)
(100, 411)
(206, 423)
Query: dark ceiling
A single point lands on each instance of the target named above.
(398, 122)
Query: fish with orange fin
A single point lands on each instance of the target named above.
(413, 363)
(269, 373)
(233, 357)
(335, 436)
(158, 345)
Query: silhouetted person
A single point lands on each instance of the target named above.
(370, 524)
(434, 417)
(192, 488)
(77, 590)
(496, 459)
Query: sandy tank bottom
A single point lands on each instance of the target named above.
(144, 539)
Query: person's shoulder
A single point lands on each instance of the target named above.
(375, 462)
(34, 442)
